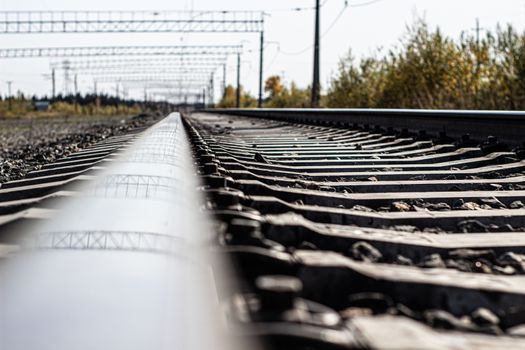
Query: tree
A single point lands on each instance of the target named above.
(229, 99)
(273, 86)
(358, 86)
(284, 97)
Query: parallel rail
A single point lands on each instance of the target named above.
(508, 126)
(394, 223)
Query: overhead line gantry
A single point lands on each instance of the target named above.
(98, 51)
(183, 60)
(33, 22)
(123, 71)
(170, 78)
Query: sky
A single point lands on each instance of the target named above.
(364, 26)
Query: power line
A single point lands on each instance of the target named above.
(334, 22)
(366, 3)
(272, 61)
(293, 9)
(336, 19)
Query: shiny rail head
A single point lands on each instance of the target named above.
(121, 265)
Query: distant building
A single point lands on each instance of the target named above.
(42, 106)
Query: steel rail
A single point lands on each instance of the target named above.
(122, 252)
(508, 126)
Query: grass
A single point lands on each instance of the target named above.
(22, 108)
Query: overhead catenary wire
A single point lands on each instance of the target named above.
(293, 9)
(365, 3)
(272, 61)
(332, 24)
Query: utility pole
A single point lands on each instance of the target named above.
(204, 97)
(66, 66)
(316, 88)
(145, 104)
(478, 29)
(76, 92)
(478, 61)
(97, 100)
(261, 57)
(117, 102)
(212, 88)
(238, 92)
(53, 83)
(223, 80)
(9, 95)
(76, 84)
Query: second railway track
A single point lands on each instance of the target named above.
(380, 232)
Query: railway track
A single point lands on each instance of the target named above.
(361, 231)
(351, 236)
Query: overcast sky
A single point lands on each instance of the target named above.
(363, 26)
